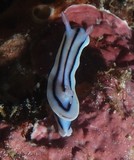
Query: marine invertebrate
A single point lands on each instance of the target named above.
(61, 82)
(111, 35)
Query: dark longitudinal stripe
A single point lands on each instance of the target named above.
(58, 69)
(55, 79)
(65, 66)
(59, 65)
(74, 62)
(59, 122)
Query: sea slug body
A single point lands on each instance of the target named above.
(61, 93)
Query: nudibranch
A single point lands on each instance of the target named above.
(61, 92)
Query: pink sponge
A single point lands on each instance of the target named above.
(111, 35)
